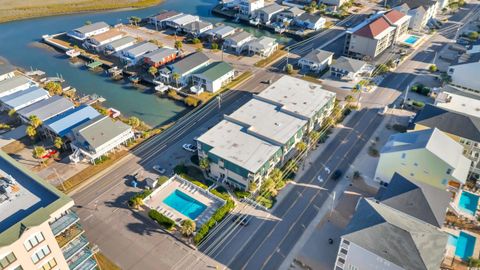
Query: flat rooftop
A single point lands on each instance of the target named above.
(231, 142)
(30, 202)
(297, 96)
(458, 103)
(268, 120)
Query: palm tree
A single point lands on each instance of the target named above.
(153, 71)
(176, 77)
(134, 122)
(178, 45)
(39, 152)
(12, 112)
(137, 202)
(54, 88)
(58, 142)
(31, 132)
(292, 165)
(35, 122)
(135, 20)
(301, 146)
(252, 187)
(188, 227)
(204, 164)
(314, 135)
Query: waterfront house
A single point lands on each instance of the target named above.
(290, 14)
(197, 28)
(377, 33)
(310, 21)
(214, 76)
(220, 32)
(46, 108)
(180, 21)
(465, 71)
(248, 7)
(135, 53)
(160, 19)
(416, 199)
(97, 137)
(263, 46)
(316, 61)
(267, 14)
(420, 11)
(160, 57)
(6, 72)
(89, 30)
(38, 228)
(460, 126)
(349, 69)
(96, 42)
(238, 41)
(382, 237)
(24, 98)
(61, 125)
(15, 84)
(261, 134)
(429, 156)
(184, 68)
(120, 44)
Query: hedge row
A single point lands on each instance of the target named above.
(223, 195)
(161, 219)
(217, 217)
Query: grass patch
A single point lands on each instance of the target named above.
(193, 174)
(164, 221)
(271, 59)
(104, 263)
(221, 194)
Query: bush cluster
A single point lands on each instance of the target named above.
(421, 89)
(161, 219)
(142, 195)
(217, 217)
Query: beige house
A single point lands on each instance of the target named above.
(37, 228)
(372, 37)
(420, 11)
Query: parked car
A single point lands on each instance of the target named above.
(159, 169)
(190, 147)
(336, 175)
(242, 221)
(50, 153)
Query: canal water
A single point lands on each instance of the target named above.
(19, 44)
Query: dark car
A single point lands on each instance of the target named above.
(336, 175)
(240, 220)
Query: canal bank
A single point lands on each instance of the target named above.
(20, 46)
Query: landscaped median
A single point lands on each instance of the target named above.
(164, 221)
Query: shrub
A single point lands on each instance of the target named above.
(219, 194)
(161, 219)
(432, 68)
(241, 193)
(191, 101)
(216, 217)
(266, 202)
(162, 179)
(418, 104)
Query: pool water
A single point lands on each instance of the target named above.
(468, 202)
(464, 244)
(411, 40)
(185, 204)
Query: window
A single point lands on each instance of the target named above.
(444, 181)
(49, 265)
(415, 164)
(449, 171)
(404, 155)
(7, 260)
(33, 241)
(40, 254)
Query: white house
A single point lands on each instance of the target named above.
(120, 44)
(15, 84)
(464, 73)
(249, 6)
(310, 21)
(220, 32)
(349, 69)
(98, 137)
(160, 19)
(238, 41)
(97, 42)
(429, 156)
(316, 61)
(214, 76)
(89, 30)
(263, 46)
(135, 53)
(24, 98)
(181, 20)
(197, 28)
(420, 11)
(267, 13)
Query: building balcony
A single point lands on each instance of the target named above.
(63, 223)
(77, 261)
(88, 265)
(74, 247)
(69, 235)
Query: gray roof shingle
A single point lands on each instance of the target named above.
(348, 64)
(189, 63)
(318, 56)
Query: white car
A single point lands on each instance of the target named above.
(159, 169)
(190, 147)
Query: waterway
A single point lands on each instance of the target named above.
(19, 44)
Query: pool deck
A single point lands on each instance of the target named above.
(450, 250)
(155, 200)
(421, 39)
(461, 211)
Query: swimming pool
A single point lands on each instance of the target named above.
(411, 40)
(185, 204)
(468, 202)
(464, 244)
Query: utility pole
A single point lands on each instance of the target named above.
(406, 94)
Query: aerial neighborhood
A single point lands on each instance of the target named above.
(240, 134)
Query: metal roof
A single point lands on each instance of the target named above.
(18, 99)
(17, 81)
(141, 48)
(47, 108)
(190, 63)
(91, 27)
(160, 54)
(214, 71)
(121, 42)
(63, 123)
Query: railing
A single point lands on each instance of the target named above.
(68, 235)
(88, 265)
(63, 223)
(74, 246)
(79, 258)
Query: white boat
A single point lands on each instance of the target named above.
(255, 21)
(72, 53)
(162, 88)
